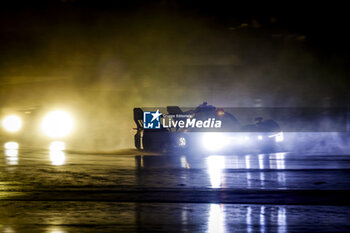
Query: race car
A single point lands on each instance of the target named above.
(204, 129)
(34, 124)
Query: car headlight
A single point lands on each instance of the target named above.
(57, 124)
(278, 137)
(12, 123)
(214, 141)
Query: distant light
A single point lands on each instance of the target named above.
(57, 124)
(260, 137)
(12, 123)
(220, 112)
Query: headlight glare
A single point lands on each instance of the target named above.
(214, 141)
(279, 137)
(57, 124)
(12, 123)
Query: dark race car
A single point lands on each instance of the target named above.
(185, 132)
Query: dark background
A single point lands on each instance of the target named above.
(105, 58)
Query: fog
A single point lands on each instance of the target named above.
(104, 61)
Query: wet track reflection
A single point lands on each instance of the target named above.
(174, 217)
(254, 171)
(11, 153)
(57, 154)
(98, 192)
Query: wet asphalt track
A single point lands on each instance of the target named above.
(44, 190)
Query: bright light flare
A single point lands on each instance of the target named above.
(214, 141)
(57, 124)
(279, 137)
(12, 123)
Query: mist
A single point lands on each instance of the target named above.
(102, 61)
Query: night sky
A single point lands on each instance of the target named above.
(108, 57)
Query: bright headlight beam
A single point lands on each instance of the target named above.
(57, 124)
(214, 141)
(12, 123)
(278, 137)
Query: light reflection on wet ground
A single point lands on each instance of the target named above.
(33, 173)
(11, 153)
(171, 217)
(252, 171)
(57, 154)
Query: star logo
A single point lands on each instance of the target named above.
(156, 115)
(151, 120)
